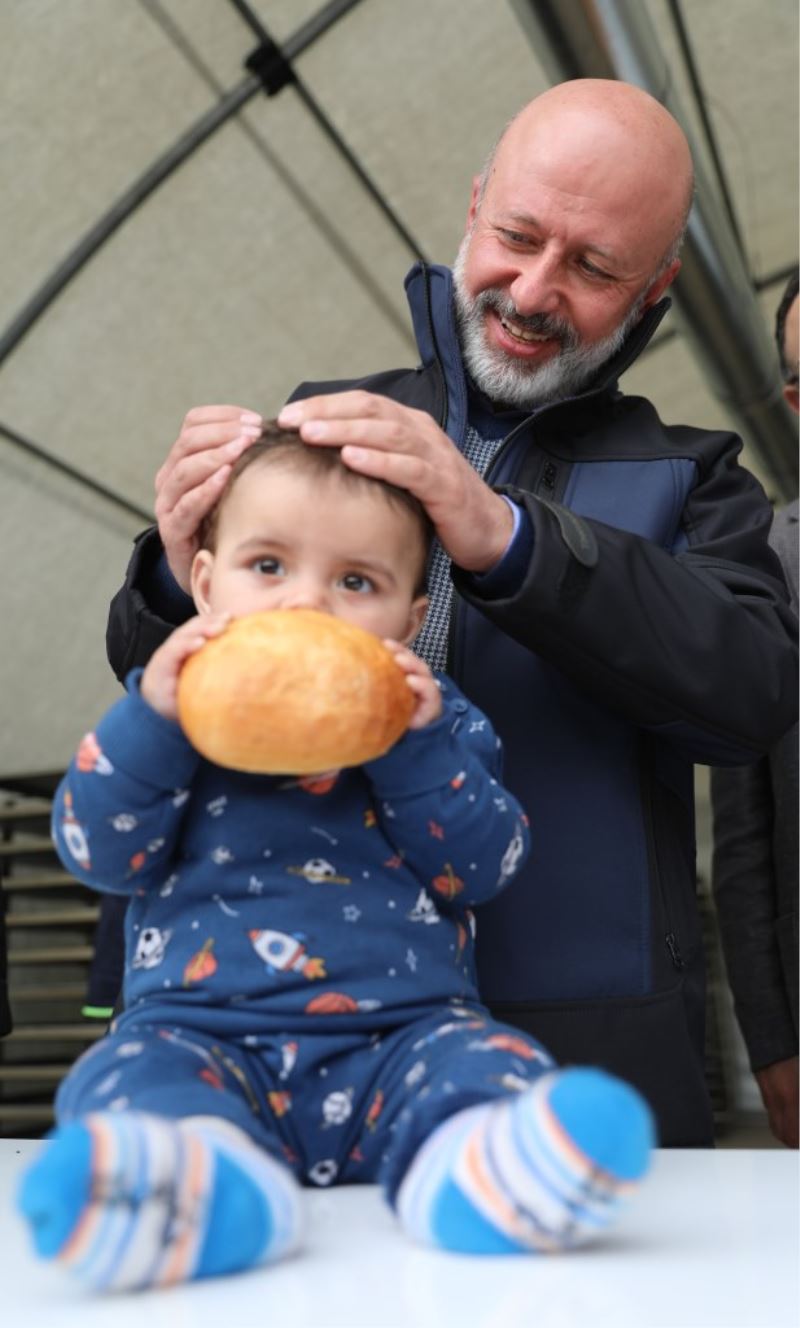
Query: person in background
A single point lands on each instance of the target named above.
(601, 587)
(300, 996)
(755, 864)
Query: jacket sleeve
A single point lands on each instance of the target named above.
(118, 811)
(699, 645)
(441, 805)
(746, 901)
(145, 609)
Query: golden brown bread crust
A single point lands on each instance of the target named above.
(293, 692)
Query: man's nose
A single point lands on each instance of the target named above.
(537, 286)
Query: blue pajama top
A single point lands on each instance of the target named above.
(268, 903)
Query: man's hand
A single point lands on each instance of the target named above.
(193, 475)
(391, 442)
(159, 685)
(422, 683)
(779, 1091)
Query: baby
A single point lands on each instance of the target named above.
(300, 997)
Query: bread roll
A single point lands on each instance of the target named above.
(293, 692)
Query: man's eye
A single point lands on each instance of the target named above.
(589, 270)
(516, 237)
(355, 581)
(268, 566)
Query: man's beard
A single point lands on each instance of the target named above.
(513, 382)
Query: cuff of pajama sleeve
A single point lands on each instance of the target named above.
(141, 743)
(422, 759)
(506, 577)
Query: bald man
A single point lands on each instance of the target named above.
(755, 868)
(601, 587)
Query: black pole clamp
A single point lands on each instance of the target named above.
(271, 67)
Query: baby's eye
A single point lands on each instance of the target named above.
(355, 581)
(268, 566)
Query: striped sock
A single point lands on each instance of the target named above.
(544, 1170)
(128, 1200)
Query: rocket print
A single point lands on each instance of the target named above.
(283, 953)
(75, 836)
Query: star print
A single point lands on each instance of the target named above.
(411, 960)
(351, 913)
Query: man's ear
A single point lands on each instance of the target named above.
(200, 579)
(660, 284)
(416, 617)
(792, 396)
(474, 198)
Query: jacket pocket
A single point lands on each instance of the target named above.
(654, 1042)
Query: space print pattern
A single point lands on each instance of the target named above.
(259, 900)
(334, 1107)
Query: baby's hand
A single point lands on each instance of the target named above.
(422, 683)
(159, 685)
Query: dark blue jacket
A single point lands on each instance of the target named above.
(650, 630)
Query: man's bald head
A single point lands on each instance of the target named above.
(572, 233)
(594, 128)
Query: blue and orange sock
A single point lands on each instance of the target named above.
(544, 1170)
(128, 1200)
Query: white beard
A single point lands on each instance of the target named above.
(512, 382)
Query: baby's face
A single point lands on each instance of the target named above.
(288, 540)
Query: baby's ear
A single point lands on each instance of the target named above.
(202, 567)
(416, 617)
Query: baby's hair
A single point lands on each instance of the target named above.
(285, 447)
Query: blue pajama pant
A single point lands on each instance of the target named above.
(345, 1107)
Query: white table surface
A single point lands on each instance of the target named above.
(710, 1242)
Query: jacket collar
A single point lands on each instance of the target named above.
(429, 288)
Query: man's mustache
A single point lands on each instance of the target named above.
(544, 325)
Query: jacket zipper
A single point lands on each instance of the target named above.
(437, 359)
(670, 938)
(548, 482)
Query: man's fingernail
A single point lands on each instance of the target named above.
(250, 417)
(233, 449)
(290, 414)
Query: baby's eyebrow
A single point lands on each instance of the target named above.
(261, 542)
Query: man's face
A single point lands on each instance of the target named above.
(288, 539)
(552, 273)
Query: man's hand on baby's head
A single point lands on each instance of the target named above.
(193, 476)
(159, 685)
(422, 684)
